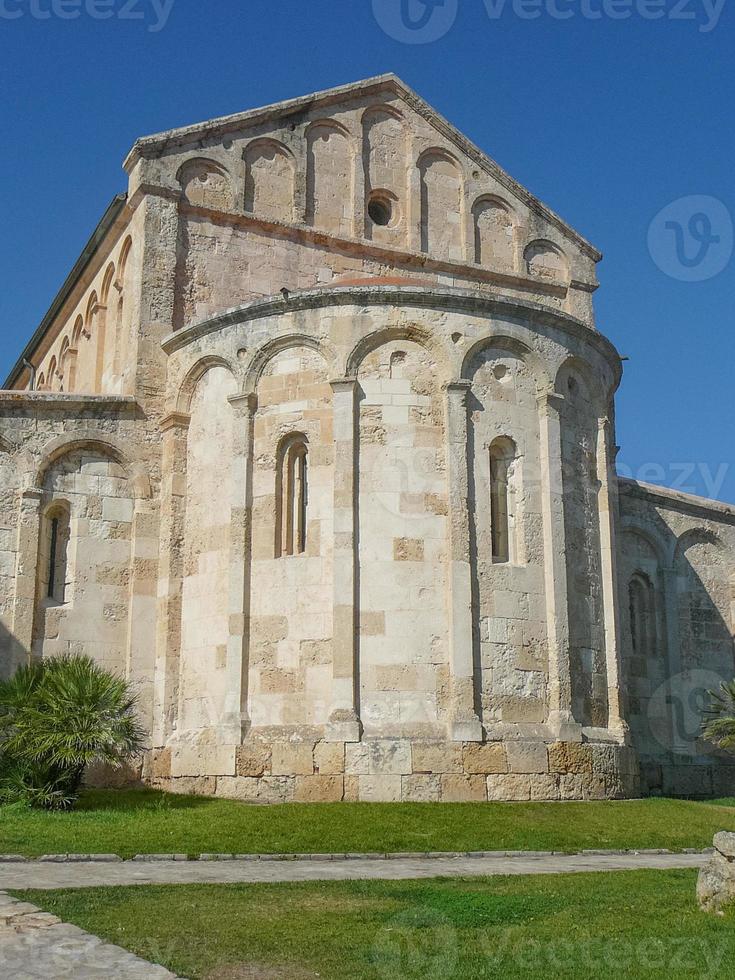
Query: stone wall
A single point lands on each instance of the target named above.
(677, 587)
(420, 771)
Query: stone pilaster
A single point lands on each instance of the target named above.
(344, 722)
(174, 431)
(141, 652)
(607, 508)
(25, 573)
(464, 724)
(237, 718)
(561, 719)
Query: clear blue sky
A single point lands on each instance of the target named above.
(607, 121)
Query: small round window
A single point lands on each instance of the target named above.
(380, 210)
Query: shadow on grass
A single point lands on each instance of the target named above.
(131, 800)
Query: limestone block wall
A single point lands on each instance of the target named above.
(677, 575)
(392, 645)
(510, 632)
(205, 623)
(402, 541)
(366, 184)
(291, 586)
(80, 535)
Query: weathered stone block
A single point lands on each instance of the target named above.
(716, 883)
(292, 759)
(253, 759)
(442, 757)
(379, 789)
(482, 759)
(462, 789)
(509, 787)
(527, 757)
(318, 789)
(420, 788)
(266, 789)
(329, 758)
(570, 758)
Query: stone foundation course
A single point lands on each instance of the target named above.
(400, 770)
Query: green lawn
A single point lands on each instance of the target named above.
(132, 822)
(621, 924)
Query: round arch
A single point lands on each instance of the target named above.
(194, 375)
(269, 350)
(385, 335)
(101, 443)
(513, 345)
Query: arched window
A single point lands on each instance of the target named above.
(502, 516)
(292, 494)
(643, 626)
(54, 557)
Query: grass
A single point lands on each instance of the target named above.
(621, 924)
(146, 821)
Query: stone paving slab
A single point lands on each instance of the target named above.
(80, 874)
(35, 945)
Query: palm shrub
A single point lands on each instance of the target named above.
(57, 717)
(719, 726)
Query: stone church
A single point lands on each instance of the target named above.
(316, 446)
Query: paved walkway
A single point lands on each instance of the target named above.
(46, 874)
(35, 945)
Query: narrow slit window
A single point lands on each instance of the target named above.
(292, 495)
(502, 456)
(642, 607)
(56, 555)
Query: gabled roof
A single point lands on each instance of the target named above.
(156, 145)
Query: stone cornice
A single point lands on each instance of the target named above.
(713, 510)
(51, 401)
(423, 297)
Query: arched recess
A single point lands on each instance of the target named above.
(291, 573)
(67, 365)
(91, 351)
(503, 458)
(403, 505)
(384, 166)
(193, 377)
(579, 419)
(412, 332)
(84, 559)
(546, 260)
(274, 347)
(330, 177)
(442, 193)
(270, 173)
(118, 310)
(53, 375)
(207, 546)
(95, 442)
(494, 225)
(206, 183)
(703, 585)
